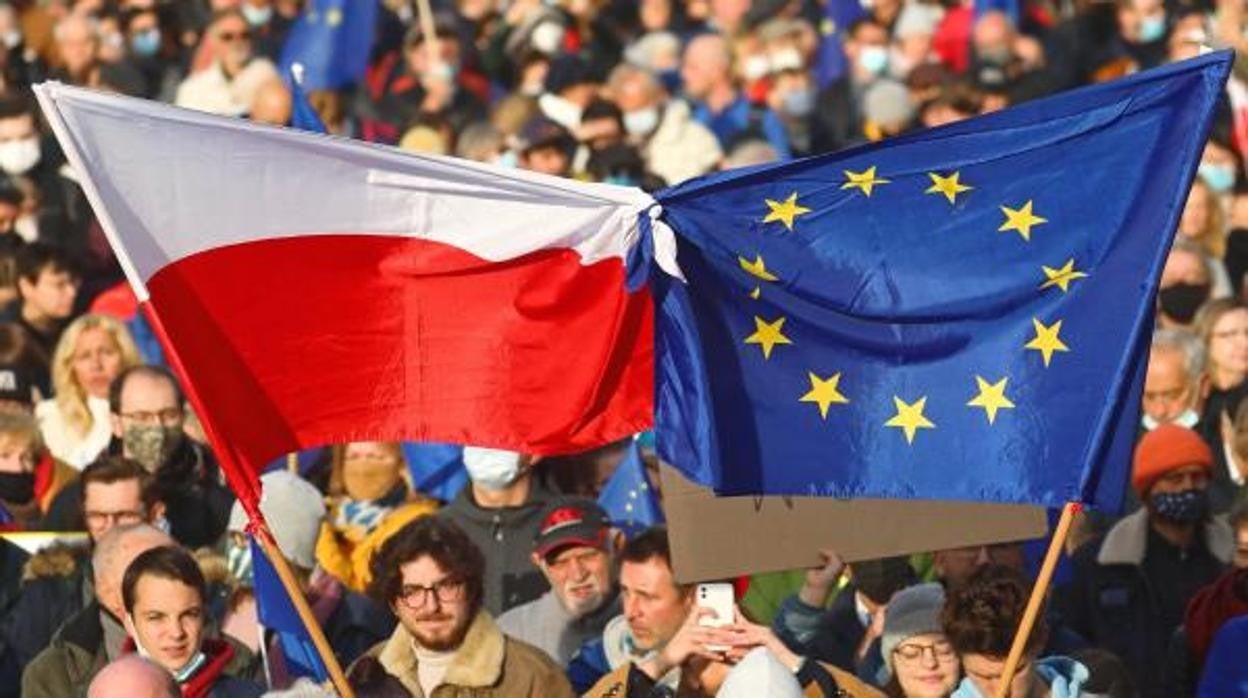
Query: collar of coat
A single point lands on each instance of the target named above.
(1127, 542)
(478, 662)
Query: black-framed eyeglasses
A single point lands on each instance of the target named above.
(416, 597)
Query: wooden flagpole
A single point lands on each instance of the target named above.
(260, 527)
(1038, 591)
(292, 462)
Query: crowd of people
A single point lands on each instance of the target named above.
(521, 584)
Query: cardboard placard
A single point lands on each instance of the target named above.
(721, 537)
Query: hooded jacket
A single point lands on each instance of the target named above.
(487, 664)
(505, 536)
(56, 584)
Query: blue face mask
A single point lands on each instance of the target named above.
(1152, 29)
(873, 59)
(1220, 178)
(799, 103)
(1188, 506)
(146, 43)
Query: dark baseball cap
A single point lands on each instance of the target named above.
(572, 521)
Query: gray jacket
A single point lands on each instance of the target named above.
(548, 626)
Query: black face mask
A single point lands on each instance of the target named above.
(1181, 301)
(17, 488)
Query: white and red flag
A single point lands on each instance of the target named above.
(320, 290)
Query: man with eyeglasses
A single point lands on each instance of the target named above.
(431, 575)
(114, 492)
(229, 84)
(575, 550)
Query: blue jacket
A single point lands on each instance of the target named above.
(1064, 675)
(1226, 672)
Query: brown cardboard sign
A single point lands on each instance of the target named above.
(719, 537)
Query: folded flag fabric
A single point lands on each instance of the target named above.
(961, 313)
(333, 40)
(628, 498)
(437, 470)
(276, 613)
(320, 290)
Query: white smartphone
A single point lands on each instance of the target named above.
(719, 598)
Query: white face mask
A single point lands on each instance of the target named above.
(257, 16)
(641, 122)
(756, 67)
(547, 38)
(182, 674)
(1188, 420)
(18, 157)
(491, 468)
(27, 227)
(561, 111)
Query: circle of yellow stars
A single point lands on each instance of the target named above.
(910, 418)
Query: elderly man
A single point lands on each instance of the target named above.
(95, 635)
(134, 677)
(1172, 383)
(675, 146)
(228, 86)
(718, 104)
(575, 550)
(432, 577)
(78, 45)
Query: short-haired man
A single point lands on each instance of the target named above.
(1176, 362)
(94, 636)
(431, 576)
(980, 619)
(47, 284)
(575, 550)
(165, 598)
(1129, 588)
(113, 492)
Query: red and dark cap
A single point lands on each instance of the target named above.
(572, 521)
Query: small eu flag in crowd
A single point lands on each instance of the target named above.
(277, 613)
(333, 39)
(961, 313)
(437, 469)
(628, 498)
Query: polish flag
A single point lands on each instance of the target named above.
(318, 290)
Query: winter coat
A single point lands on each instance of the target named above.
(216, 678)
(548, 626)
(56, 585)
(831, 636)
(1226, 672)
(680, 147)
(349, 562)
(487, 664)
(1112, 602)
(817, 680)
(505, 536)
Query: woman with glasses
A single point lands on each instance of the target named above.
(915, 649)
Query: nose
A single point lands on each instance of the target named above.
(982, 557)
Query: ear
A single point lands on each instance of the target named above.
(24, 287)
(157, 512)
(537, 561)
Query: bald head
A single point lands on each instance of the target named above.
(272, 104)
(114, 553)
(707, 64)
(134, 677)
(993, 30)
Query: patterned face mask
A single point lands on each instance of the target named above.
(1188, 506)
(150, 444)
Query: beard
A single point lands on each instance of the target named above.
(580, 606)
(442, 640)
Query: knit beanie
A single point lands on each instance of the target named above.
(1165, 449)
(913, 611)
(293, 508)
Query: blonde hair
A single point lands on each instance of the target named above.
(1212, 237)
(21, 426)
(71, 398)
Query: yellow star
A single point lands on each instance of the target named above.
(785, 211)
(991, 397)
(1021, 219)
(1061, 278)
(825, 393)
(863, 180)
(757, 268)
(1046, 340)
(756, 293)
(909, 418)
(949, 186)
(767, 335)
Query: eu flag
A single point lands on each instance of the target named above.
(628, 497)
(277, 612)
(437, 469)
(961, 313)
(333, 39)
(302, 115)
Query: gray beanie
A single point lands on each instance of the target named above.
(293, 508)
(912, 611)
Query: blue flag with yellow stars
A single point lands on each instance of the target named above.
(628, 498)
(333, 40)
(962, 313)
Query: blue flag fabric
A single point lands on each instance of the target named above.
(277, 613)
(961, 313)
(333, 39)
(628, 497)
(302, 115)
(437, 469)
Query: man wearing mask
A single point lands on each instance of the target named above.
(1176, 362)
(95, 635)
(148, 414)
(1130, 587)
(63, 210)
(1185, 286)
(501, 511)
(837, 121)
(675, 146)
(575, 550)
(1142, 32)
